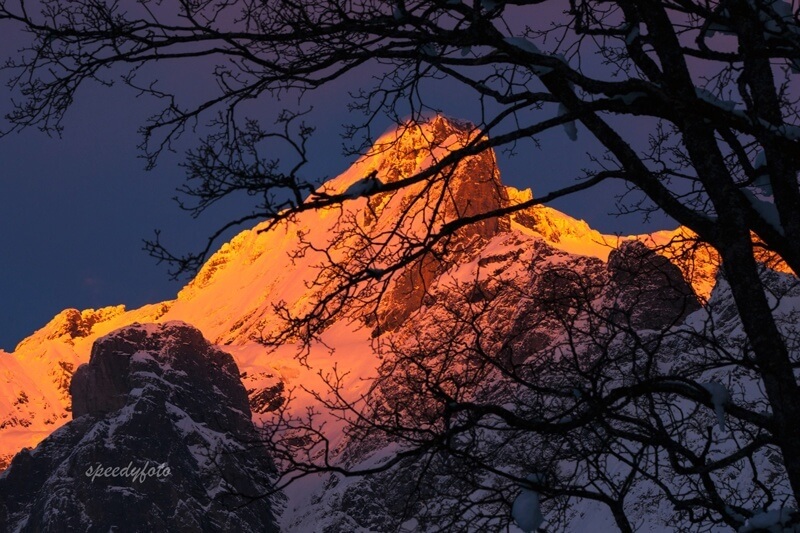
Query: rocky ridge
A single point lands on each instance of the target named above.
(168, 411)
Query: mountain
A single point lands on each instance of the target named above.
(231, 299)
(498, 273)
(160, 440)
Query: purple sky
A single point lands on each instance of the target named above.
(74, 210)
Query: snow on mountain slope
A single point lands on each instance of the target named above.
(512, 272)
(698, 263)
(232, 298)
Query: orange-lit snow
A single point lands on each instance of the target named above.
(232, 297)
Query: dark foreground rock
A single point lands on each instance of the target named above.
(168, 411)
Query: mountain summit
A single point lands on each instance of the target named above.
(233, 298)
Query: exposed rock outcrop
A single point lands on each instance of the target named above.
(165, 409)
(468, 189)
(70, 324)
(651, 291)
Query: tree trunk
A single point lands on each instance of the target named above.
(771, 353)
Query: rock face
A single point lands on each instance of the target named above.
(168, 411)
(470, 188)
(652, 290)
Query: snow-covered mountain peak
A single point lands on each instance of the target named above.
(406, 150)
(232, 299)
(513, 262)
(471, 187)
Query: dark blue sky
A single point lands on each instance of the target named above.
(74, 211)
